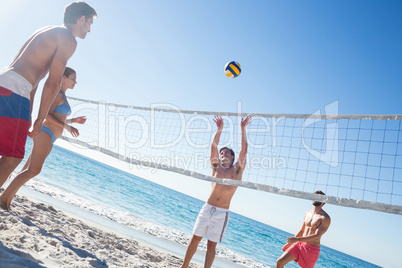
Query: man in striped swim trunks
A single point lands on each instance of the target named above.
(45, 52)
(214, 215)
(304, 247)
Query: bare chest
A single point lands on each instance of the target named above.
(313, 220)
(225, 173)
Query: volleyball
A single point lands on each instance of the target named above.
(232, 69)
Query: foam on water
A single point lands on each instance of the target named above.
(162, 212)
(135, 222)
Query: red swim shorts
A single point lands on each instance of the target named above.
(15, 113)
(305, 253)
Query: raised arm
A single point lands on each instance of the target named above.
(214, 146)
(241, 163)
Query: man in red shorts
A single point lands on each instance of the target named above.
(46, 52)
(304, 247)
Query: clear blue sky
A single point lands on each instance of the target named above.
(296, 57)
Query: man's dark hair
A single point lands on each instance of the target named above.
(322, 193)
(76, 10)
(231, 152)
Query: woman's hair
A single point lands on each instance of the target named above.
(76, 10)
(68, 71)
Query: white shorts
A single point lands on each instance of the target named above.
(211, 222)
(16, 83)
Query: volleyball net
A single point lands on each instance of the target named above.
(355, 159)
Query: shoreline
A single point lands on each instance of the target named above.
(41, 231)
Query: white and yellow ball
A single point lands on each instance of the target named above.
(232, 69)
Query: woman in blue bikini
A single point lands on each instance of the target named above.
(52, 128)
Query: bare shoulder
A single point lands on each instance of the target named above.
(325, 218)
(64, 41)
(64, 34)
(59, 34)
(325, 214)
(40, 30)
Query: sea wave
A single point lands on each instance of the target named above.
(135, 222)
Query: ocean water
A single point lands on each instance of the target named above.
(160, 211)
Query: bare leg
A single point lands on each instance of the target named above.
(26, 163)
(284, 259)
(41, 149)
(191, 249)
(210, 257)
(7, 165)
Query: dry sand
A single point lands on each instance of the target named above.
(37, 235)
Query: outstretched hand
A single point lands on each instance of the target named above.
(73, 131)
(80, 120)
(219, 122)
(245, 122)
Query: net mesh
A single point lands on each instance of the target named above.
(356, 160)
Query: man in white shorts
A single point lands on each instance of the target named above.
(214, 215)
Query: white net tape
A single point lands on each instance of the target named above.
(355, 159)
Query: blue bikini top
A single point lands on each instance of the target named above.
(63, 108)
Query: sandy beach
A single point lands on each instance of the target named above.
(38, 235)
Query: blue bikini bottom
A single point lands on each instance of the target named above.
(48, 131)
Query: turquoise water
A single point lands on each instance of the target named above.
(168, 214)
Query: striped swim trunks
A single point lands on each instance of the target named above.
(212, 222)
(15, 113)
